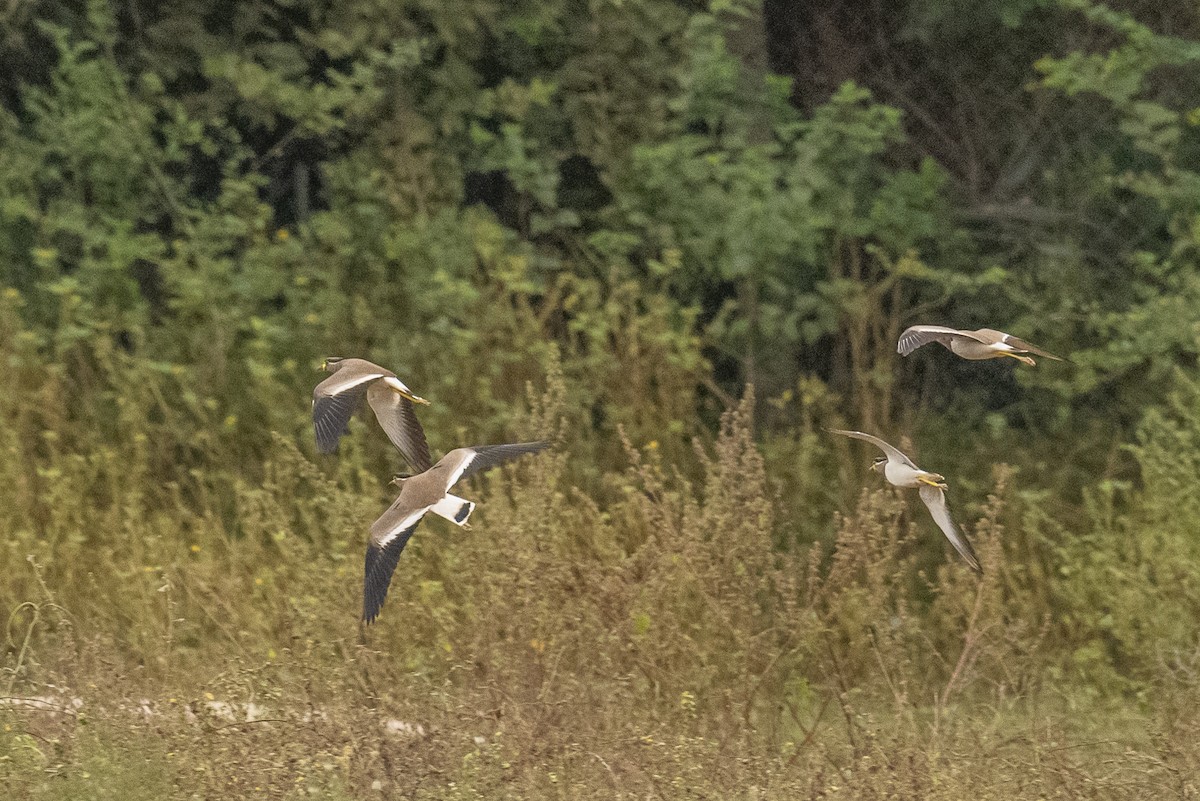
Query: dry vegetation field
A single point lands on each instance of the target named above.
(657, 642)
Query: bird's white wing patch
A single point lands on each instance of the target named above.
(336, 387)
(404, 524)
(462, 467)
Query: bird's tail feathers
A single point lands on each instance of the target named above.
(454, 509)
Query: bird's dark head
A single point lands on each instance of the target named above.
(879, 463)
(331, 364)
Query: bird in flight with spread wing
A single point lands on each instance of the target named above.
(426, 492)
(899, 470)
(986, 343)
(337, 397)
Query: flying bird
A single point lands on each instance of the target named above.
(899, 470)
(336, 398)
(426, 492)
(986, 343)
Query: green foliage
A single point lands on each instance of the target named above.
(1145, 77)
(762, 207)
(1129, 581)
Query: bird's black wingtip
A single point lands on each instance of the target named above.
(371, 609)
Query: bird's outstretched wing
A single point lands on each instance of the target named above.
(935, 500)
(334, 401)
(398, 417)
(892, 453)
(331, 417)
(377, 576)
(466, 462)
(389, 534)
(918, 335)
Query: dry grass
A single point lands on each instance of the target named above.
(653, 641)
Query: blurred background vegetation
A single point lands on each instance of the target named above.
(600, 220)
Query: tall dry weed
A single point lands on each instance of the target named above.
(660, 634)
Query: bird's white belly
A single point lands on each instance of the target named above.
(971, 349)
(901, 474)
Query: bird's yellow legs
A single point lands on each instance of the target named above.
(933, 480)
(404, 393)
(1020, 358)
